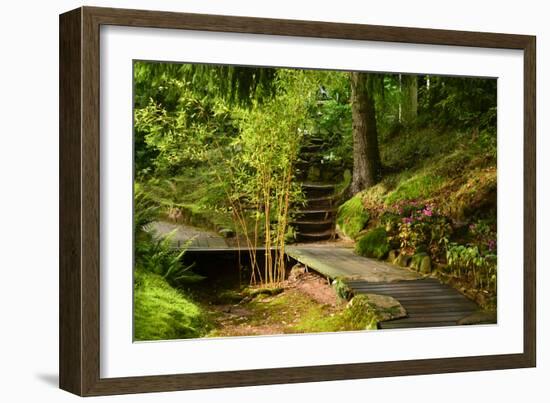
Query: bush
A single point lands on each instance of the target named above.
(373, 244)
(352, 216)
(162, 312)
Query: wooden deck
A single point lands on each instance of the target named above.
(428, 302)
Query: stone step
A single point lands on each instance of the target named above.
(316, 214)
(315, 236)
(311, 148)
(312, 225)
(316, 140)
(315, 190)
(323, 202)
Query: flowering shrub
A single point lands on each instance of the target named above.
(484, 235)
(419, 227)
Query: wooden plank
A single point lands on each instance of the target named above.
(409, 325)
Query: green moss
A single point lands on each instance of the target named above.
(420, 185)
(162, 312)
(352, 216)
(359, 314)
(477, 193)
(373, 244)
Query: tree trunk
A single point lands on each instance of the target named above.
(409, 89)
(366, 156)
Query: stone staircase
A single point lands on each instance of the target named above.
(315, 220)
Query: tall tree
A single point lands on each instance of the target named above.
(409, 98)
(366, 155)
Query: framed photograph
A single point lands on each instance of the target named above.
(248, 201)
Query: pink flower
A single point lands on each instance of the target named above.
(427, 212)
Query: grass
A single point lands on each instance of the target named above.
(162, 312)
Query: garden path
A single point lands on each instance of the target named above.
(428, 302)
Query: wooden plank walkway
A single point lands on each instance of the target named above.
(428, 302)
(198, 238)
(336, 262)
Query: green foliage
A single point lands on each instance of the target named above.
(184, 136)
(162, 312)
(262, 186)
(373, 244)
(145, 209)
(352, 216)
(341, 289)
(460, 101)
(159, 256)
(469, 262)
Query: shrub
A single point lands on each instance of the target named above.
(158, 256)
(352, 216)
(469, 262)
(162, 312)
(373, 244)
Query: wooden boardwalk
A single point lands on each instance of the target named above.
(337, 262)
(197, 238)
(428, 302)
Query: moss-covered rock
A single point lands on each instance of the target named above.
(373, 244)
(416, 260)
(366, 310)
(426, 265)
(402, 260)
(352, 217)
(162, 312)
(392, 255)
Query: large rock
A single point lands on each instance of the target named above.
(374, 308)
(426, 265)
(416, 260)
(392, 255)
(402, 260)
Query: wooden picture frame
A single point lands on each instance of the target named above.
(79, 201)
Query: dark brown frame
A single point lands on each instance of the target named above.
(79, 201)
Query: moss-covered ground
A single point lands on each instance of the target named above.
(162, 312)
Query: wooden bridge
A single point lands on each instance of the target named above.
(428, 302)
